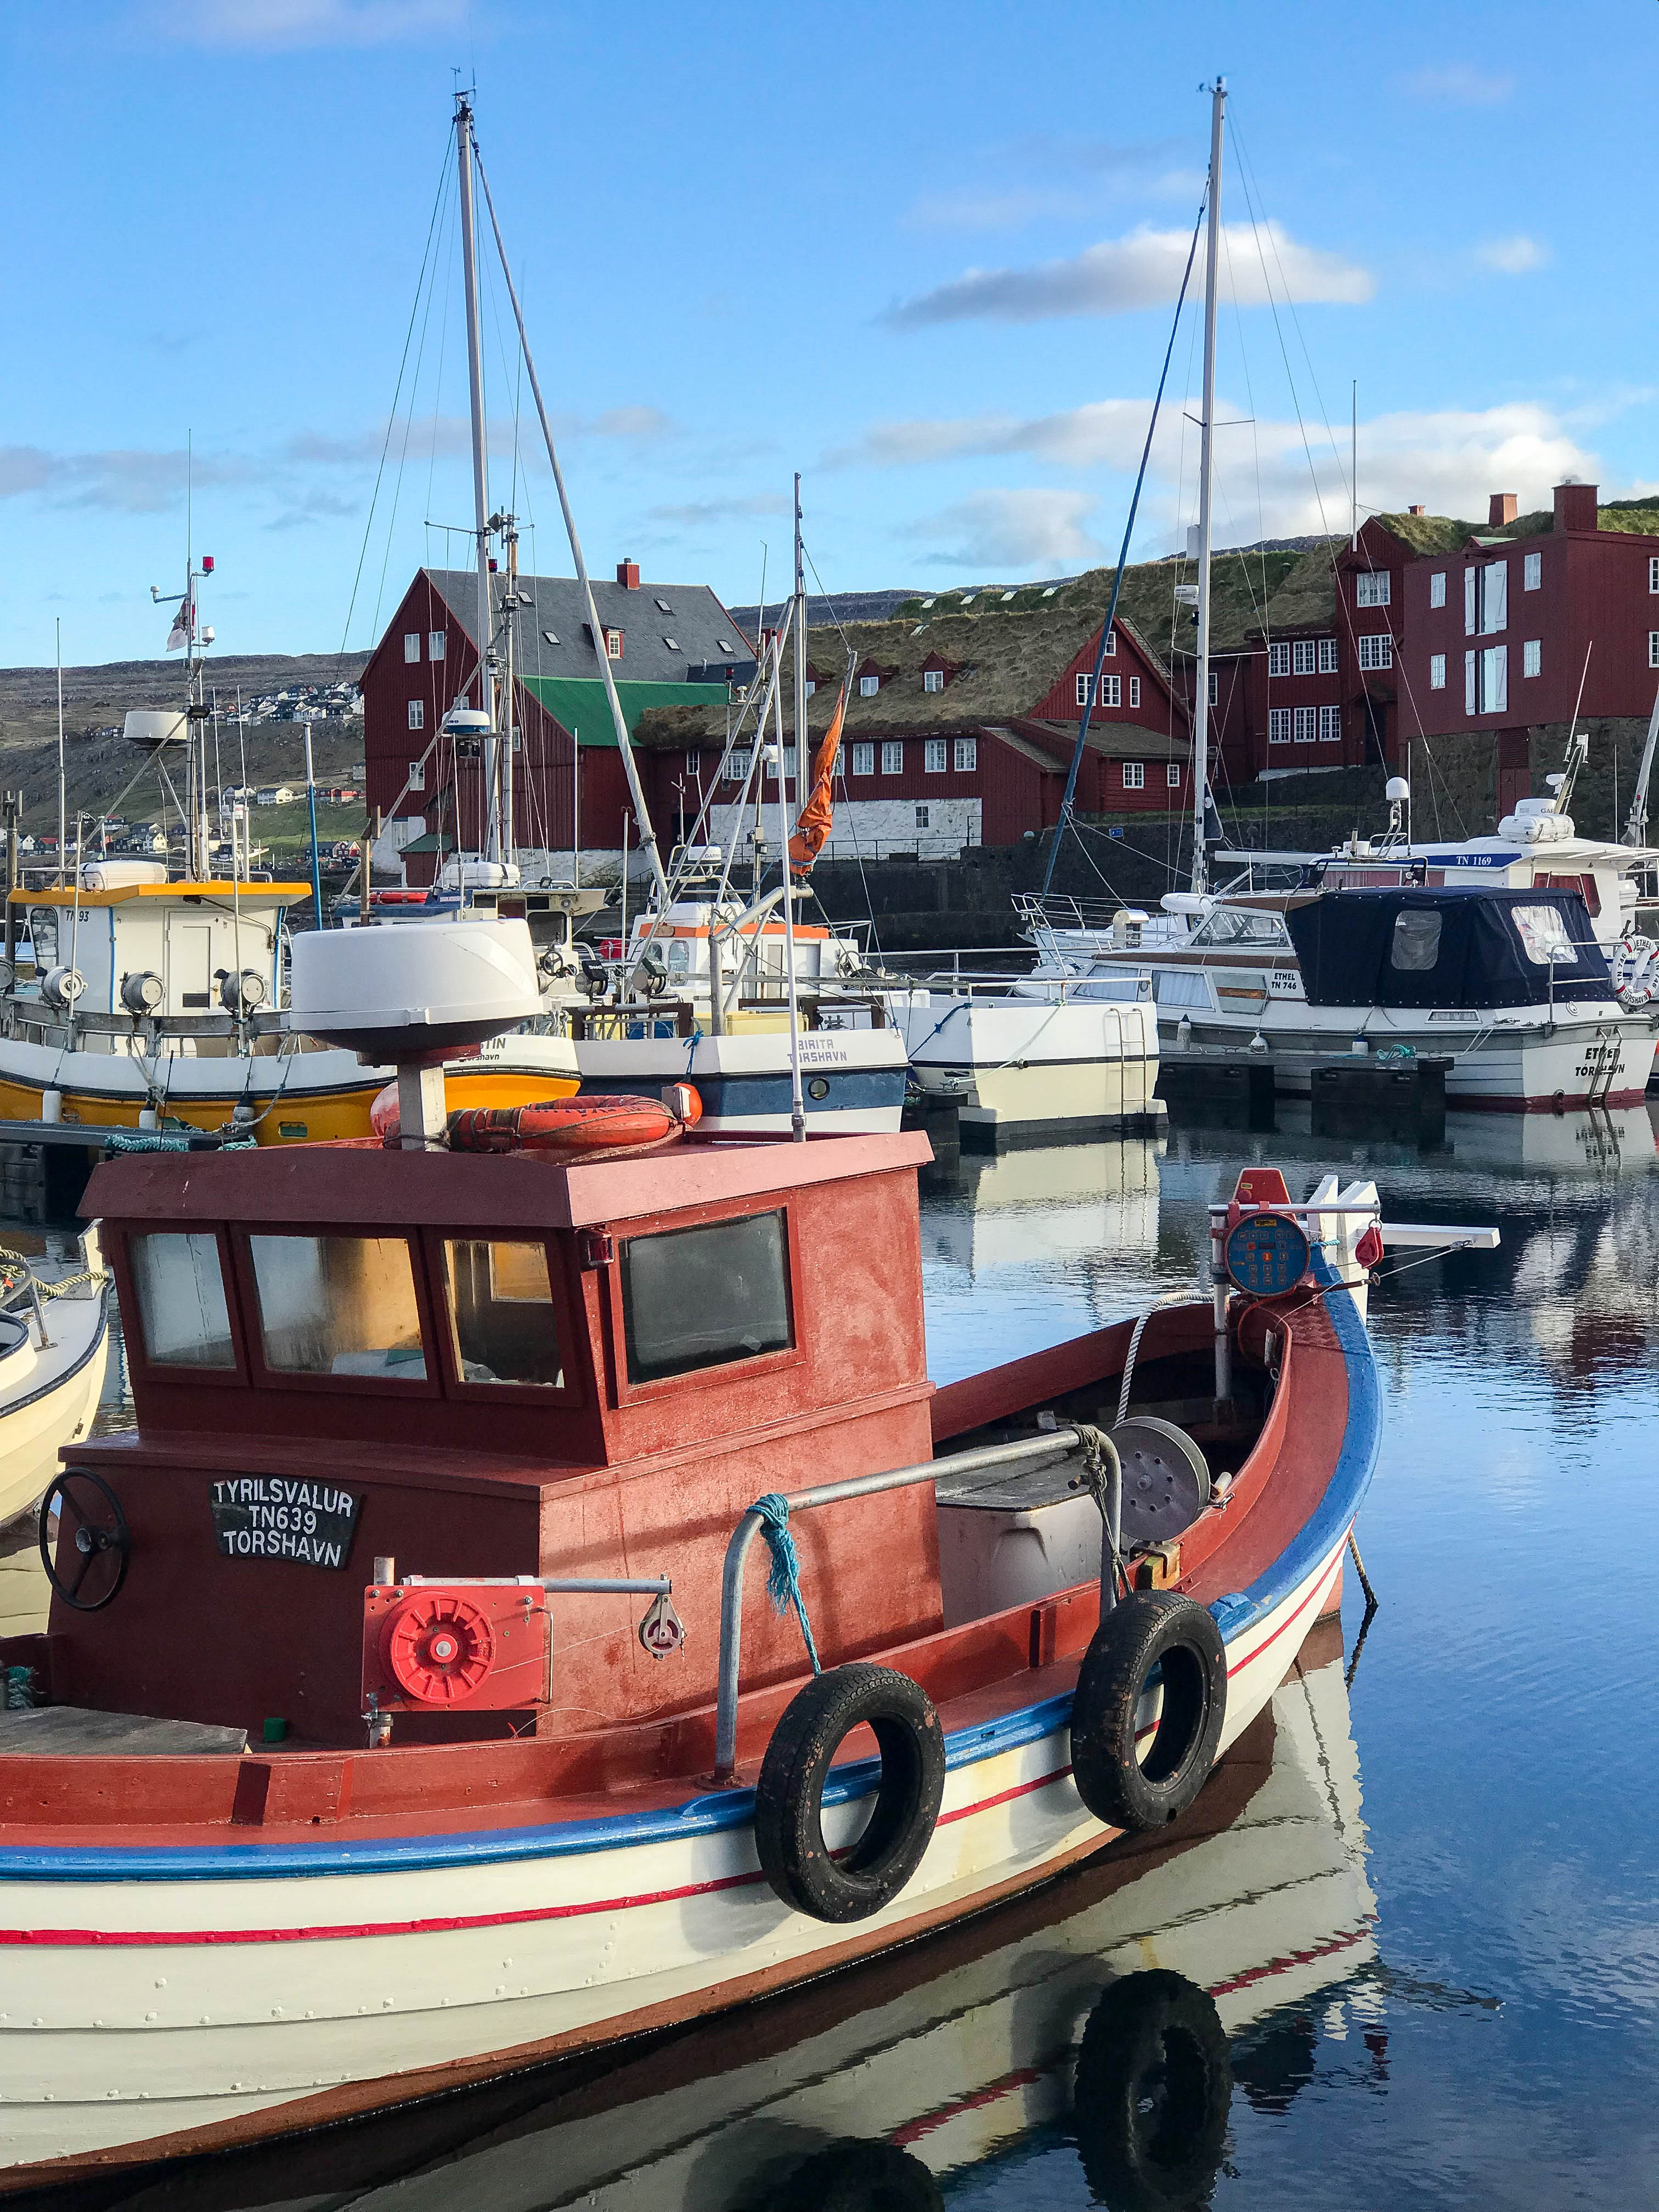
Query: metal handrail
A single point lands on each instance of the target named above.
(1045, 1444)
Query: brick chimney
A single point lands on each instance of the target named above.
(1575, 506)
(1503, 508)
(1415, 510)
(627, 576)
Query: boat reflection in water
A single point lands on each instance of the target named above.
(1108, 2018)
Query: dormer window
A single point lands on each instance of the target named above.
(868, 686)
(933, 679)
(812, 685)
(613, 644)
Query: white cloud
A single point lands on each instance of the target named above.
(1448, 460)
(127, 480)
(1141, 270)
(1042, 178)
(268, 23)
(1458, 85)
(1512, 256)
(694, 513)
(1008, 530)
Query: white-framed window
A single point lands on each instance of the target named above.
(1215, 688)
(1304, 655)
(1279, 726)
(1330, 725)
(864, 758)
(1376, 652)
(1111, 641)
(1653, 570)
(812, 685)
(694, 763)
(922, 819)
(1532, 572)
(437, 644)
(1083, 691)
(417, 775)
(1436, 671)
(933, 755)
(789, 762)
(1306, 729)
(1327, 656)
(1487, 680)
(1532, 657)
(1278, 661)
(736, 768)
(1373, 588)
(892, 756)
(1134, 690)
(417, 713)
(1653, 648)
(1485, 599)
(965, 757)
(1438, 588)
(933, 679)
(412, 645)
(868, 686)
(1134, 775)
(1172, 775)
(1111, 690)
(613, 644)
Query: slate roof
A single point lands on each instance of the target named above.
(660, 643)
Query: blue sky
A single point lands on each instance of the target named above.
(926, 254)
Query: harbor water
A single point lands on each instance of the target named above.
(1419, 1903)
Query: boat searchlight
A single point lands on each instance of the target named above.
(411, 996)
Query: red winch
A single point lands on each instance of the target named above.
(481, 1645)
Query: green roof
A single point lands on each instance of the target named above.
(578, 704)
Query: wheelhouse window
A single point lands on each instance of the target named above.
(182, 1313)
(339, 1305)
(502, 1321)
(704, 1298)
(1543, 933)
(1416, 946)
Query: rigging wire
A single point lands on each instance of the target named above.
(392, 418)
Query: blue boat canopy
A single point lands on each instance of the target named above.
(1451, 947)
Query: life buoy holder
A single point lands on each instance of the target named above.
(591, 1122)
(789, 1796)
(1124, 1783)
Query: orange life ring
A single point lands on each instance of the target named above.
(590, 1123)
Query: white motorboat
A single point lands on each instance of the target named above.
(54, 1343)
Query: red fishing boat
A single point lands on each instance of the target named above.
(405, 1714)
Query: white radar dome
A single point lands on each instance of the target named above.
(411, 993)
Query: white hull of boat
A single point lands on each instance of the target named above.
(1510, 1059)
(852, 1080)
(1037, 1066)
(138, 2009)
(49, 1393)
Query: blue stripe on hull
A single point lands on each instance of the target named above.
(744, 1097)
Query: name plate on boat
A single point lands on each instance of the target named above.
(274, 1516)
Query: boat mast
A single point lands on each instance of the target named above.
(618, 719)
(62, 789)
(1206, 485)
(1636, 823)
(509, 835)
(480, 490)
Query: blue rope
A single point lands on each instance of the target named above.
(783, 1585)
(692, 1042)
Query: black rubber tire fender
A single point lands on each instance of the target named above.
(1153, 2091)
(1145, 1630)
(789, 1795)
(850, 2175)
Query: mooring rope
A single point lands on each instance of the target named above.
(783, 1583)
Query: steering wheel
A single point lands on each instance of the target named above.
(101, 1541)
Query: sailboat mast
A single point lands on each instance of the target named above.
(480, 487)
(1206, 485)
(800, 647)
(63, 781)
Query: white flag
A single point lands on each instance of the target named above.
(183, 625)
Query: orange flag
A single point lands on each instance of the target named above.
(813, 823)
